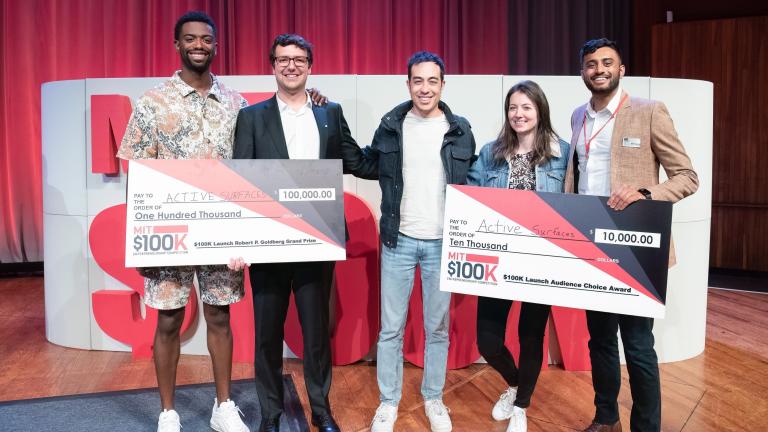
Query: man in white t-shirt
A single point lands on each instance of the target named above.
(420, 146)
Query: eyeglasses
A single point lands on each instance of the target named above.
(298, 61)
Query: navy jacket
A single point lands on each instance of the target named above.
(456, 154)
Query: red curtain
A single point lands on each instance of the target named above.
(51, 40)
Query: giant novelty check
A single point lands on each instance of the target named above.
(190, 212)
(557, 249)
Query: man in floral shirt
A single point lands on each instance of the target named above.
(190, 116)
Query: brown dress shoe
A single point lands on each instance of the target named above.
(597, 427)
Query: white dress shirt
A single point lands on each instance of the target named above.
(595, 170)
(421, 209)
(300, 129)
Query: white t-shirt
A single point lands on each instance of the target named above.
(421, 210)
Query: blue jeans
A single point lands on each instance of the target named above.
(398, 266)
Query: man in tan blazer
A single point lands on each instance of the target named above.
(617, 146)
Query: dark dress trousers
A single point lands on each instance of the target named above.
(259, 135)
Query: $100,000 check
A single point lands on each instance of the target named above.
(557, 249)
(192, 212)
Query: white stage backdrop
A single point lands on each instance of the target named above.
(73, 195)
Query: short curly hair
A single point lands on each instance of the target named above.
(192, 16)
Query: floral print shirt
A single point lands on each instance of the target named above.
(522, 173)
(173, 121)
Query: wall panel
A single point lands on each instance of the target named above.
(733, 54)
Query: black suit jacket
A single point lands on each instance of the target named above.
(259, 135)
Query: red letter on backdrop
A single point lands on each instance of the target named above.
(462, 331)
(109, 117)
(356, 299)
(254, 98)
(572, 336)
(118, 312)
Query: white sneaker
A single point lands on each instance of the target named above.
(169, 421)
(384, 419)
(226, 417)
(503, 408)
(518, 421)
(437, 413)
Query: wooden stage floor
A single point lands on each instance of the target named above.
(724, 389)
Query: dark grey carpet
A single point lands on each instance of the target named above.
(137, 410)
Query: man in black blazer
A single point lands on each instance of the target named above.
(289, 126)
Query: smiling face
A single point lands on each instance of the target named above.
(426, 87)
(196, 46)
(291, 78)
(522, 114)
(602, 70)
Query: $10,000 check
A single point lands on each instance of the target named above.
(192, 212)
(557, 249)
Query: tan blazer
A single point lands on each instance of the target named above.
(638, 167)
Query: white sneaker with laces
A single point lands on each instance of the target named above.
(169, 421)
(384, 419)
(503, 408)
(437, 413)
(518, 421)
(226, 417)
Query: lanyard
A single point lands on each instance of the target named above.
(587, 142)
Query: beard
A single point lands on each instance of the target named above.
(196, 67)
(613, 83)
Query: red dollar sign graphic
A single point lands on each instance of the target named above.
(118, 312)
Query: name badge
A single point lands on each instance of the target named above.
(630, 142)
